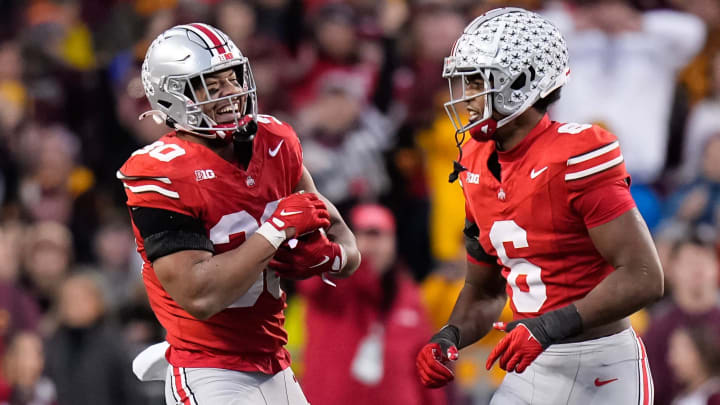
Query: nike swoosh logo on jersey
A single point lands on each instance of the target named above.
(286, 213)
(325, 260)
(599, 383)
(534, 173)
(274, 152)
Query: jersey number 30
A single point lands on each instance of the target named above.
(529, 292)
(243, 224)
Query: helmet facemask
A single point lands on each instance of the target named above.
(193, 89)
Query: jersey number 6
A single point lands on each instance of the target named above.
(528, 291)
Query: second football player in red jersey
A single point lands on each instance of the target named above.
(551, 225)
(211, 202)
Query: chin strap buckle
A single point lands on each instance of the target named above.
(158, 116)
(457, 169)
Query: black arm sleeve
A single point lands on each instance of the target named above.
(166, 232)
(472, 245)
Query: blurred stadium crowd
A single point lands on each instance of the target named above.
(360, 82)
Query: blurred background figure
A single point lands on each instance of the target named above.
(360, 80)
(344, 140)
(620, 60)
(47, 258)
(694, 355)
(694, 300)
(87, 361)
(696, 205)
(23, 370)
(369, 328)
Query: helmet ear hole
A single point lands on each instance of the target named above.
(519, 83)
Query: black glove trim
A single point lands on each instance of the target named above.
(448, 336)
(552, 327)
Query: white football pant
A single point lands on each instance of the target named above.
(215, 386)
(609, 370)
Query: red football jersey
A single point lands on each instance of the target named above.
(536, 219)
(189, 178)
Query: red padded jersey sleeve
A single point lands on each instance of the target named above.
(157, 176)
(597, 181)
(595, 159)
(602, 204)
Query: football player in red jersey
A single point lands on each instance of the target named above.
(550, 224)
(210, 203)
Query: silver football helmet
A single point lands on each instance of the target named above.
(521, 58)
(174, 74)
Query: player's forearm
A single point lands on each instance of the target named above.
(222, 279)
(622, 293)
(340, 233)
(474, 314)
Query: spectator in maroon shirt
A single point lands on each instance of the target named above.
(694, 300)
(362, 335)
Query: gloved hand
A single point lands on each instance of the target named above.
(314, 254)
(527, 338)
(517, 349)
(434, 358)
(296, 214)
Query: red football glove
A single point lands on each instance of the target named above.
(528, 337)
(516, 350)
(433, 364)
(313, 255)
(296, 214)
(433, 360)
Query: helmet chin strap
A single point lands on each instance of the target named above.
(246, 133)
(482, 131)
(457, 166)
(245, 129)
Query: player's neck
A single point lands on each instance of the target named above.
(510, 135)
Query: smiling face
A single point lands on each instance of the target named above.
(222, 84)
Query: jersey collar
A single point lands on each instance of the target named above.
(522, 147)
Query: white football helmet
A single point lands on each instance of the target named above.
(174, 72)
(521, 58)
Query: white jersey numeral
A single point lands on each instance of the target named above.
(267, 119)
(573, 128)
(161, 151)
(242, 222)
(531, 296)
